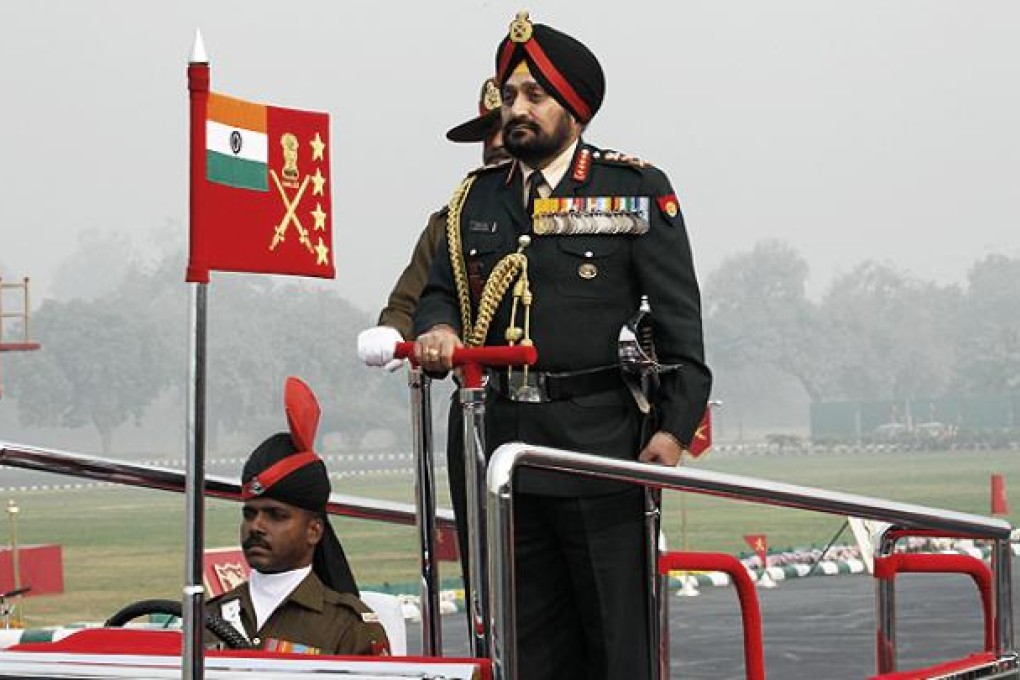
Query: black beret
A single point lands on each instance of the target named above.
(562, 65)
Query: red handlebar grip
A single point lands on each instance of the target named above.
(518, 355)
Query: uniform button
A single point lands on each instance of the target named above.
(588, 253)
(473, 251)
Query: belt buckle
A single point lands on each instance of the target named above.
(531, 390)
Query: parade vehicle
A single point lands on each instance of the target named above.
(229, 188)
(113, 651)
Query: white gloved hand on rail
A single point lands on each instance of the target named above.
(376, 346)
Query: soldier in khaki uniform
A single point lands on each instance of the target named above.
(301, 597)
(375, 345)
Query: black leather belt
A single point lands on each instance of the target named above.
(543, 386)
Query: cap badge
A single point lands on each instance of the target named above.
(256, 487)
(491, 98)
(520, 28)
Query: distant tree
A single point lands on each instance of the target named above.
(99, 366)
(893, 336)
(262, 330)
(106, 358)
(757, 314)
(96, 267)
(989, 327)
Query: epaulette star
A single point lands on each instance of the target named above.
(610, 157)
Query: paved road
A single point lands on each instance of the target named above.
(818, 627)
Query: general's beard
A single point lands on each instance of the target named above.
(541, 146)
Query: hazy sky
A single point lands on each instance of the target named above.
(871, 129)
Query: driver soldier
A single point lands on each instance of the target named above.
(301, 597)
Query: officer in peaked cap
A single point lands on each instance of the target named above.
(605, 230)
(375, 345)
(301, 596)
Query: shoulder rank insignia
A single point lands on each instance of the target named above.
(623, 159)
(597, 215)
(668, 204)
(582, 165)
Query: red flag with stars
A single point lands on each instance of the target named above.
(759, 544)
(260, 185)
(702, 439)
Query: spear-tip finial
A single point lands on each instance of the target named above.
(198, 55)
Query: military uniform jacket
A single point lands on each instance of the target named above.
(313, 619)
(403, 300)
(586, 287)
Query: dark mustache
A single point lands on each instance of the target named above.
(254, 542)
(519, 123)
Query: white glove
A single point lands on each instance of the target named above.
(376, 346)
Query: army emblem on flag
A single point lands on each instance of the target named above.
(264, 205)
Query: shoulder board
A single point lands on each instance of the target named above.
(501, 165)
(610, 157)
(352, 602)
(358, 606)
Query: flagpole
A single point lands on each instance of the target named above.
(192, 661)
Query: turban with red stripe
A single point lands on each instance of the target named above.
(562, 65)
(285, 468)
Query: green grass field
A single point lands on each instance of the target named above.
(124, 545)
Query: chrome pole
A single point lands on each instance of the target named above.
(885, 608)
(194, 591)
(425, 504)
(653, 524)
(1002, 569)
(502, 591)
(472, 400)
(663, 611)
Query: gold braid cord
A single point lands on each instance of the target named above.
(457, 253)
(503, 274)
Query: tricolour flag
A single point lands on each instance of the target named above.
(260, 189)
(236, 151)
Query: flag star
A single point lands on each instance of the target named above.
(318, 180)
(318, 146)
(320, 217)
(323, 253)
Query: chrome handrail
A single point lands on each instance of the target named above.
(128, 473)
(509, 457)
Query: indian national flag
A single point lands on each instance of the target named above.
(236, 143)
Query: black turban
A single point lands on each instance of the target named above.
(278, 470)
(562, 65)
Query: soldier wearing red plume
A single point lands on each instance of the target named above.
(302, 596)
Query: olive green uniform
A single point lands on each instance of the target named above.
(399, 314)
(313, 620)
(403, 300)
